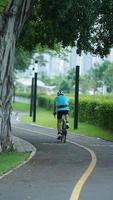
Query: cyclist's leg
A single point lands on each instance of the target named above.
(59, 123)
(67, 118)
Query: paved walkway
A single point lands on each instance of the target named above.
(56, 168)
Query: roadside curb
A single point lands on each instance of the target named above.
(21, 145)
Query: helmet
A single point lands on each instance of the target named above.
(60, 92)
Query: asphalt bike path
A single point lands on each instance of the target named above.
(56, 168)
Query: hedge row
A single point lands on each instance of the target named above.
(95, 110)
(45, 102)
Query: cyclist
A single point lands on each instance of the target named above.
(61, 106)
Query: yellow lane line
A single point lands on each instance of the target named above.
(78, 187)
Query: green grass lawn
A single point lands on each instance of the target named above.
(46, 118)
(10, 160)
(23, 107)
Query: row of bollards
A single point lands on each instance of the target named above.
(33, 99)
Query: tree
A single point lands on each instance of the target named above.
(64, 86)
(108, 77)
(71, 77)
(85, 83)
(87, 24)
(12, 18)
(96, 74)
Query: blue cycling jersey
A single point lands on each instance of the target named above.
(61, 103)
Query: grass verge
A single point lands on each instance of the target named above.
(10, 160)
(45, 118)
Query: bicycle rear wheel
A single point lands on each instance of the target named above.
(63, 138)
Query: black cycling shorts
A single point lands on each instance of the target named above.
(62, 112)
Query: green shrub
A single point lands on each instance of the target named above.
(22, 94)
(104, 115)
(45, 102)
(82, 110)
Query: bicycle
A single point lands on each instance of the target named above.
(64, 129)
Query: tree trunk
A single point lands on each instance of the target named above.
(11, 24)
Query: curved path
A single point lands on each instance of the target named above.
(56, 168)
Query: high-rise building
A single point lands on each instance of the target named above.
(54, 65)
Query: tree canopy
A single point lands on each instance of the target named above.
(3, 4)
(88, 25)
(22, 59)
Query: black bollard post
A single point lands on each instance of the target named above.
(31, 100)
(76, 97)
(35, 95)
